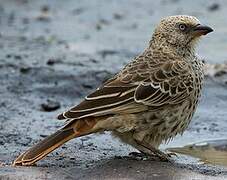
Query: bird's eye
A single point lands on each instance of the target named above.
(182, 27)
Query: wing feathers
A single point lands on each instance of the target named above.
(106, 92)
(101, 104)
(152, 83)
(107, 109)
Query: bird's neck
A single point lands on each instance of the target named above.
(166, 47)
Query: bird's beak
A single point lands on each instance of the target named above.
(200, 30)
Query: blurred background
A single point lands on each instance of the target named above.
(53, 53)
(90, 26)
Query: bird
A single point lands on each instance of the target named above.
(148, 102)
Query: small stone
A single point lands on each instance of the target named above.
(98, 27)
(25, 70)
(51, 62)
(8, 55)
(93, 60)
(78, 11)
(118, 157)
(50, 105)
(45, 8)
(107, 52)
(90, 144)
(43, 135)
(214, 7)
(87, 86)
(44, 16)
(117, 16)
(104, 21)
(18, 57)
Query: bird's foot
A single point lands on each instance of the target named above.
(142, 156)
(153, 153)
(153, 156)
(170, 154)
(162, 156)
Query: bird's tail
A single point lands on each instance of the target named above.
(44, 147)
(50, 143)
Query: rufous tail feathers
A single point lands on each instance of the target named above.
(50, 143)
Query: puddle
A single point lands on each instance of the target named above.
(209, 152)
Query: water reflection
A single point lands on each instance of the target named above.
(214, 151)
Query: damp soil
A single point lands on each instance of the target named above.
(53, 53)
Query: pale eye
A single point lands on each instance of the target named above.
(182, 27)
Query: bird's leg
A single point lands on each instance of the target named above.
(146, 150)
(152, 151)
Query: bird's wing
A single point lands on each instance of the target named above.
(172, 83)
(148, 81)
(105, 100)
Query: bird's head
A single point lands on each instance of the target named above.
(180, 31)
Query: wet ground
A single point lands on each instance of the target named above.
(209, 152)
(52, 53)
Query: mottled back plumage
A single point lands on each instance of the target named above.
(151, 99)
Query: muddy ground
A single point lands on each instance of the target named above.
(52, 53)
